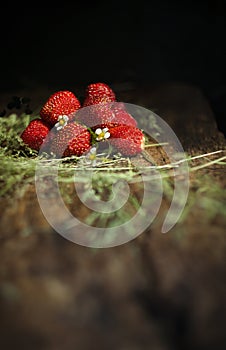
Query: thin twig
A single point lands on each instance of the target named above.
(156, 144)
(207, 164)
(199, 156)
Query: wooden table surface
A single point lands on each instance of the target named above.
(157, 292)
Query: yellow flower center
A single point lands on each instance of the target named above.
(62, 122)
(101, 135)
(92, 156)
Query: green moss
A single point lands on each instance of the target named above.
(11, 144)
(16, 159)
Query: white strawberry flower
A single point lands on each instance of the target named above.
(91, 157)
(62, 122)
(102, 134)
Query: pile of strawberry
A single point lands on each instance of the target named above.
(74, 129)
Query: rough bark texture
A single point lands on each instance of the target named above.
(157, 292)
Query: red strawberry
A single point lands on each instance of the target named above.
(122, 117)
(60, 103)
(35, 134)
(128, 140)
(98, 93)
(95, 116)
(73, 139)
(105, 115)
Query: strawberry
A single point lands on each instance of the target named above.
(73, 139)
(126, 139)
(35, 134)
(58, 104)
(95, 116)
(102, 111)
(105, 115)
(98, 93)
(122, 117)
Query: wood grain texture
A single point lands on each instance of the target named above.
(158, 291)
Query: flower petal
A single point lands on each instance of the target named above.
(98, 131)
(93, 150)
(107, 135)
(65, 118)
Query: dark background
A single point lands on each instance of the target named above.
(62, 46)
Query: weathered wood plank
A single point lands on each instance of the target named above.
(158, 291)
